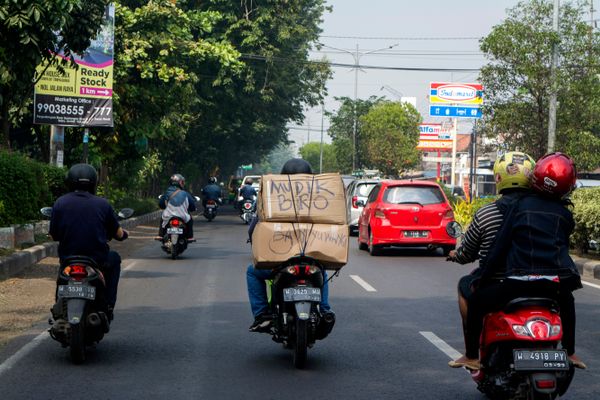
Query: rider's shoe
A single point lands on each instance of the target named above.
(262, 323)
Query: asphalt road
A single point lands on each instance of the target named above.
(181, 332)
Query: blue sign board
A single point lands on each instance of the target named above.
(455, 111)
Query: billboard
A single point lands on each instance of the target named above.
(456, 93)
(434, 136)
(81, 96)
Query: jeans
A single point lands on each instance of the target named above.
(257, 290)
(112, 272)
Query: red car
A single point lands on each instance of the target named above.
(406, 213)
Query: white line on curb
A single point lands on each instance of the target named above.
(440, 344)
(591, 284)
(23, 351)
(363, 283)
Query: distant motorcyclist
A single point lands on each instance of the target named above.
(212, 191)
(247, 191)
(177, 202)
(83, 223)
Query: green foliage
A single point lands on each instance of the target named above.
(55, 179)
(341, 131)
(586, 214)
(23, 189)
(311, 152)
(517, 79)
(464, 211)
(139, 206)
(391, 133)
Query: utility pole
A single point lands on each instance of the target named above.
(355, 122)
(321, 146)
(553, 84)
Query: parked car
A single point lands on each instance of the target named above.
(358, 190)
(406, 213)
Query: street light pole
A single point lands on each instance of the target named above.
(321, 147)
(553, 89)
(356, 55)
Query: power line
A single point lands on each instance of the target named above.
(398, 38)
(410, 53)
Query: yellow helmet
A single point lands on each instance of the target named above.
(512, 170)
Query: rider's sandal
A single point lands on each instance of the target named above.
(577, 363)
(464, 362)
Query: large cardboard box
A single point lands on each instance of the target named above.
(276, 242)
(318, 199)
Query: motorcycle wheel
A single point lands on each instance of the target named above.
(77, 344)
(300, 344)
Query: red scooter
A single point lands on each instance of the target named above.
(518, 352)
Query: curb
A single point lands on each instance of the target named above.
(18, 261)
(587, 268)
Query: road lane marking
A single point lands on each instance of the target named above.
(591, 284)
(131, 264)
(23, 351)
(363, 283)
(440, 344)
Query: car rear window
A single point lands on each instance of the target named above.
(413, 194)
(364, 189)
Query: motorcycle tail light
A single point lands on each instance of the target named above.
(310, 269)
(210, 202)
(539, 329)
(555, 330)
(545, 383)
(247, 206)
(75, 271)
(354, 200)
(293, 270)
(175, 222)
(520, 330)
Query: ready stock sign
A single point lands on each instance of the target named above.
(455, 93)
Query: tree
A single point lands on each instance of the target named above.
(517, 79)
(28, 30)
(391, 133)
(341, 131)
(311, 152)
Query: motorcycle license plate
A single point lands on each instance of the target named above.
(210, 206)
(535, 360)
(302, 294)
(178, 231)
(77, 292)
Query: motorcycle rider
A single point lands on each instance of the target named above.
(212, 191)
(529, 255)
(255, 278)
(247, 192)
(177, 202)
(83, 223)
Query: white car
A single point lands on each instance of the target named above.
(358, 190)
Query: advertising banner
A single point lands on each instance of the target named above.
(456, 93)
(81, 96)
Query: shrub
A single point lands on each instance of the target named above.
(464, 211)
(586, 213)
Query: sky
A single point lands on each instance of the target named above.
(424, 34)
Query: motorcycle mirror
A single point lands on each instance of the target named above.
(46, 211)
(125, 213)
(454, 229)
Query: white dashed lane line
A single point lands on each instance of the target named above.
(363, 283)
(591, 284)
(440, 344)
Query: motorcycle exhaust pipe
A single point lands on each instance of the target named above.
(94, 320)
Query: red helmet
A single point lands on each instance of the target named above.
(554, 174)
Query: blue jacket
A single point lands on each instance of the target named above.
(211, 192)
(247, 192)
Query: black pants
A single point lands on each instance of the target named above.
(189, 228)
(494, 296)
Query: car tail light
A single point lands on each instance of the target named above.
(380, 214)
(449, 214)
(76, 271)
(354, 200)
(175, 222)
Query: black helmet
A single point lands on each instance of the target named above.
(296, 166)
(82, 177)
(212, 180)
(177, 180)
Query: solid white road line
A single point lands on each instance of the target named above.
(591, 284)
(363, 283)
(440, 344)
(23, 351)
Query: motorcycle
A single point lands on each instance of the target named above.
(295, 294)
(248, 210)
(80, 316)
(210, 209)
(518, 349)
(175, 239)
(518, 352)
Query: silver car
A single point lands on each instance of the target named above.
(357, 190)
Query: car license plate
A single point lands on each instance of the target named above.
(77, 292)
(416, 234)
(302, 294)
(178, 231)
(533, 360)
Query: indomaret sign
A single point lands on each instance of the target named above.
(80, 96)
